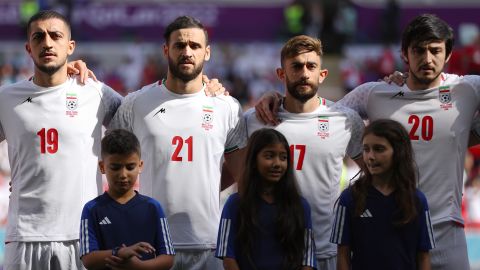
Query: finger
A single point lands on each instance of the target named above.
(205, 79)
(92, 75)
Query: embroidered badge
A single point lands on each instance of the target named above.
(71, 104)
(444, 95)
(207, 117)
(323, 127)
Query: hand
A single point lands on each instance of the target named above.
(267, 108)
(396, 77)
(214, 87)
(79, 68)
(135, 250)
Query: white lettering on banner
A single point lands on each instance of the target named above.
(100, 16)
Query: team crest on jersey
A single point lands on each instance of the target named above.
(71, 104)
(445, 97)
(323, 127)
(207, 117)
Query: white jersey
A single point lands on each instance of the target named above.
(53, 137)
(319, 141)
(183, 140)
(439, 121)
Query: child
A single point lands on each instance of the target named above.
(266, 225)
(122, 228)
(382, 221)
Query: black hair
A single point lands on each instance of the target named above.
(48, 14)
(183, 22)
(290, 220)
(427, 28)
(120, 141)
(404, 171)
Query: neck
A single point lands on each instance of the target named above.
(180, 87)
(267, 193)
(296, 106)
(383, 184)
(414, 84)
(122, 198)
(42, 79)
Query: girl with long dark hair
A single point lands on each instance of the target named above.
(266, 225)
(382, 221)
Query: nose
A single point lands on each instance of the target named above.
(428, 57)
(47, 42)
(123, 173)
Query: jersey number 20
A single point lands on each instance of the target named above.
(425, 124)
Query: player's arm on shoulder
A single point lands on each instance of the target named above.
(423, 260)
(357, 99)
(267, 107)
(343, 257)
(123, 118)
(80, 68)
(111, 100)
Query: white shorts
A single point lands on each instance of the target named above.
(196, 260)
(450, 252)
(327, 263)
(42, 255)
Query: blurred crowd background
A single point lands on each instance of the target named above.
(121, 41)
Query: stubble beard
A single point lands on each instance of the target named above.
(181, 75)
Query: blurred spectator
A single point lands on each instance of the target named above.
(390, 23)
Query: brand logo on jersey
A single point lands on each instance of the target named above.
(29, 100)
(445, 97)
(323, 127)
(207, 117)
(399, 94)
(366, 214)
(105, 221)
(162, 110)
(71, 103)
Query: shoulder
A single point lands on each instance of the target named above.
(346, 197)
(150, 202)
(348, 112)
(305, 204)
(421, 198)
(92, 204)
(229, 101)
(368, 86)
(24, 84)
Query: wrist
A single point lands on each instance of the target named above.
(115, 251)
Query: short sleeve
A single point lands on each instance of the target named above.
(356, 126)
(426, 239)
(228, 228)
(357, 99)
(111, 101)
(124, 116)
(341, 225)
(309, 258)
(163, 241)
(88, 236)
(237, 135)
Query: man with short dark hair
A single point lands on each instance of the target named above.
(184, 137)
(53, 126)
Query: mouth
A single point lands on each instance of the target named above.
(48, 55)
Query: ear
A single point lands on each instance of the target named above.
(28, 49)
(280, 74)
(448, 57)
(323, 75)
(71, 47)
(404, 57)
(140, 166)
(101, 165)
(207, 53)
(165, 50)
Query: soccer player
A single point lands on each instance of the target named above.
(184, 137)
(319, 135)
(53, 127)
(437, 110)
(123, 228)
